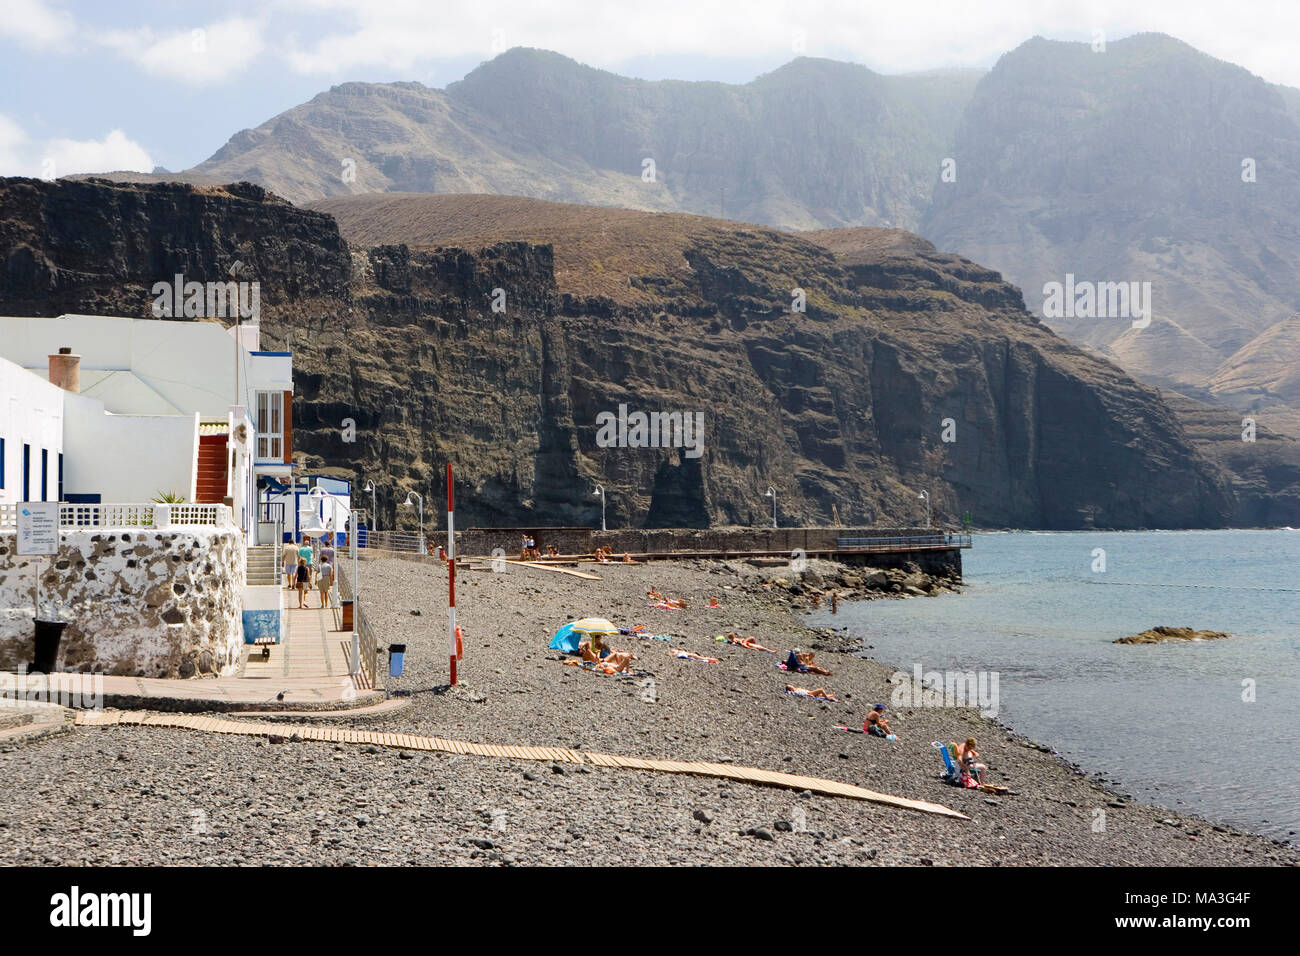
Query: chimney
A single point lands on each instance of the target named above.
(65, 370)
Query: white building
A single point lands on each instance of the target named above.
(106, 409)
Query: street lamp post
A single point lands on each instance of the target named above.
(374, 505)
(771, 493)
(600, 493)
(419, 500)
(925, 496)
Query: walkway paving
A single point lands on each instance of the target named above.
(312, 646)
(309, 671)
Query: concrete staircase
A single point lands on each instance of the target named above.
(263, 564)
(210, 487)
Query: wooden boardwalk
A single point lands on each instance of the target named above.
(348, 735)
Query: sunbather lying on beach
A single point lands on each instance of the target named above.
(820, 693)
(595, 652)
(713, 603)
(753, 645)
(691, 656)
(810, 667)
(653, 595)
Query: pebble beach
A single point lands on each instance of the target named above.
(153, 796)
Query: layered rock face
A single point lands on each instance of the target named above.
(852, 378)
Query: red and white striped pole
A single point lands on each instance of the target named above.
(451, 575)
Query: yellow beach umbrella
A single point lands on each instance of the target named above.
(594, 625)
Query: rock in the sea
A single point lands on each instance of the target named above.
(1161, 635)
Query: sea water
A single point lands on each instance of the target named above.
(1210, 727)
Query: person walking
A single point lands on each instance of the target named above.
(289, 561)
(324, 579)
(301, 577)
(307, 554)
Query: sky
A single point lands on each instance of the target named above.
(134, 84)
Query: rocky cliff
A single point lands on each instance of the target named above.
(851, 372)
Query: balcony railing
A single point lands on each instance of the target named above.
(129, 515)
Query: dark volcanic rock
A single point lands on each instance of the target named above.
(842, 405)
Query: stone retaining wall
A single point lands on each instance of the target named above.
(147, 603)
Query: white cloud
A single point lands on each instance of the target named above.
(402, 34)
(198, 56)
(20, 155)
(35, 23)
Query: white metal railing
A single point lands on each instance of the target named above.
(393, 541)
(129, 515)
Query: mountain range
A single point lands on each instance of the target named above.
(1143, 162)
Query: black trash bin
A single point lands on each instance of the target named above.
(48, 635)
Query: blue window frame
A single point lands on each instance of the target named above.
(60, 476)
(45, 473)
(27, 472)
(3, 463)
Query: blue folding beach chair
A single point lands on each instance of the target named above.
(951, 772)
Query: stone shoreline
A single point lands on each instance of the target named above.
(135, 795)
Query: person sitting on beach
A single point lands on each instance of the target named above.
(653, 595)
(602, 555)
(550, 549)
(968, 760)
(594, 651)
(820, 693)
(713, 603)
(627, 558)
(753, 645)
(876, 723)
(691, 656)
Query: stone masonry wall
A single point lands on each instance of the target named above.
(148, 603)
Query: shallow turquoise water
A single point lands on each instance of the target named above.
(1167, 721)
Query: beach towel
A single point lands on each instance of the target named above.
(684, 656)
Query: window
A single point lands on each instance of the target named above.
(270, 426)
(3, 463)
(45, 473)
(27, 472)
(60, 476)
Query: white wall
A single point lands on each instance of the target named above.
(128, 458)
(31, 412)
(191, 364)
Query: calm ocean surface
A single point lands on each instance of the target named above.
(1167, 721)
